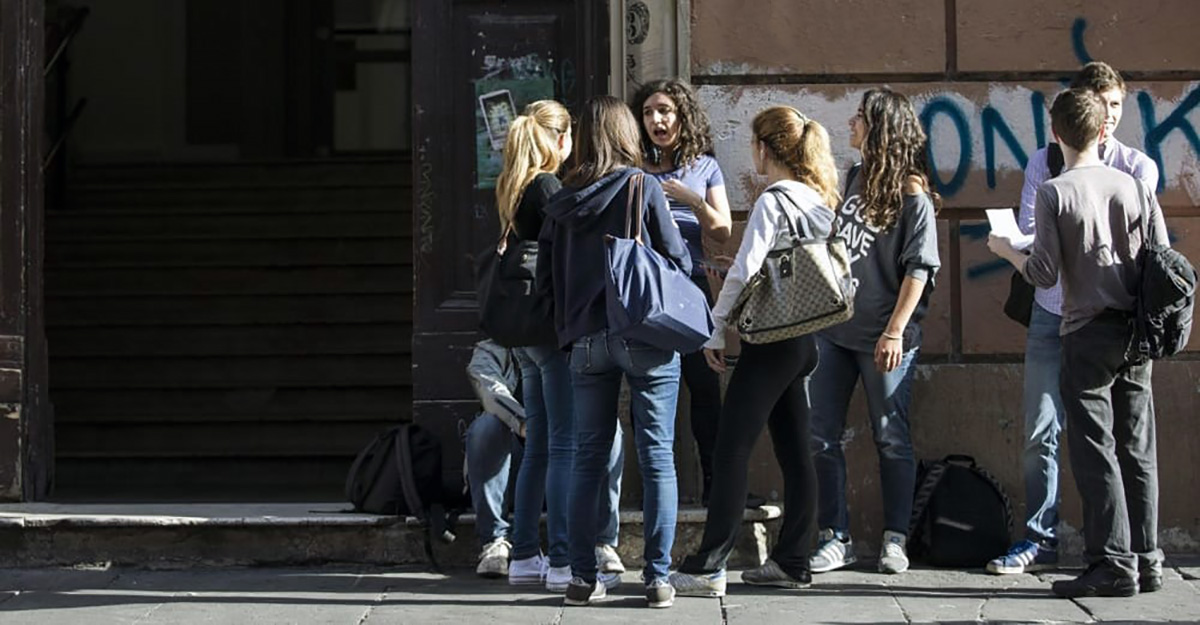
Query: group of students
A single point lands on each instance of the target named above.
(799, 388)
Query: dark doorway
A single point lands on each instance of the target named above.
(228, 274)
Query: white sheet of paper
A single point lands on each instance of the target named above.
(1005, 225)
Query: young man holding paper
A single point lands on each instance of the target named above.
(1043, 406)
(1092, 225)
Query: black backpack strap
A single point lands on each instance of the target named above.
(404, 465)
(991, 479)
(1054, 159)
(925, 491)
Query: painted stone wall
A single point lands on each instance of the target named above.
(981, 75)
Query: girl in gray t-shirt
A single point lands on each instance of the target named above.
(887, 219)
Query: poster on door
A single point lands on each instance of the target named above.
(507, 85)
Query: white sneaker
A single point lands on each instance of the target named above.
(558, 578)
(893, 557)
(527, 571)
(607, 560)
(493, 559)
(831, 553)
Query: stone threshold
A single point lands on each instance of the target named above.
(184, 535)
(31, 515)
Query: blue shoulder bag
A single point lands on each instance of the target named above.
(648, 297)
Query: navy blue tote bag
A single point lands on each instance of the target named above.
(648, 298)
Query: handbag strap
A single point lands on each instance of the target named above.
(633, 208)
(502, 244)
(833, 227)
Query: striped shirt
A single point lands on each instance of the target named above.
(1114, 154)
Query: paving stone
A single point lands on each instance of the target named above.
(627, 604)
(461, 598)
(840, 596)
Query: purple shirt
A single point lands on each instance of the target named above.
(1114, 154)
(701, 175)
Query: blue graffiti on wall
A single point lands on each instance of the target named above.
(1156, 132)
(1077, 44)
(994, 125)
(943, 105)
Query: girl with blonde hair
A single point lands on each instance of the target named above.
(770, 384)
(538, 143)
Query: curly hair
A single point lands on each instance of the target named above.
(695, 137)
(895, 147)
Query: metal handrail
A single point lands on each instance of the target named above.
(68, 124)
(72, 29)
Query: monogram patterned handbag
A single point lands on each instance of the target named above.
(799, 289)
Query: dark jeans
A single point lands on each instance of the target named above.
(1110, 427)
(769, 387)
(704, 389)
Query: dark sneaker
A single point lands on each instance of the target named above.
(660, 594)
(769, 574)
(1099, 580)
(1025, 557)
(1150, 580)
(580, 592)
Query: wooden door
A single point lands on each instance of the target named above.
(468, 57)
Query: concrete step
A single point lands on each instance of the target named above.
(287, 534)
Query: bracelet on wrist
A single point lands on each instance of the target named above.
(892, 337)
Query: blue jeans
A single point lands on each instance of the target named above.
(549, 453)
(598, 362)
(492, 450)
(1044, 420)
(888, 396)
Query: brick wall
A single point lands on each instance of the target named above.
(982, 75)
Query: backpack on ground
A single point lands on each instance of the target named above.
(400, 473)
(1166, 295)
(961, 515)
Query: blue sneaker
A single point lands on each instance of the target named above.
(1025, 557)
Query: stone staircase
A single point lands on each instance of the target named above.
(227, 332)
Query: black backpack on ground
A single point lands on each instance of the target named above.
(961, 516)
(400, 473)
(1166, 296)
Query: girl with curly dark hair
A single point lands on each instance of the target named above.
(679, 154)
(887, 219)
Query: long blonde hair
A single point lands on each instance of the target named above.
(801, 145)
(531, 149)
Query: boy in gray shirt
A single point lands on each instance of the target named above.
(1089, 231)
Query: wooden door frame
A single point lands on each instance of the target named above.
(26, 425)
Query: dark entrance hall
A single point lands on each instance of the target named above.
(228, 265)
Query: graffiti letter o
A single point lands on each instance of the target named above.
(945, 106)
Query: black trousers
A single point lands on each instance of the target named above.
(1110, 426)
(769, 387)
(704, 391)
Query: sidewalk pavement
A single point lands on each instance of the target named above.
(374, 596)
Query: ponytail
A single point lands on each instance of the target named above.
(530, 149)
(801, 145)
